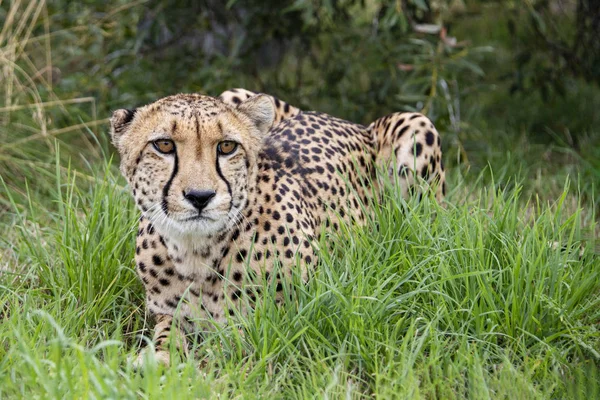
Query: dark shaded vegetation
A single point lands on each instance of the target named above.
(482, 72)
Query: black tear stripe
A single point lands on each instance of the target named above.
(165, 205)
(226, 182)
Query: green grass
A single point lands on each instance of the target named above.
(464, 301)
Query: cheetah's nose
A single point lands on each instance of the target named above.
(199, 198)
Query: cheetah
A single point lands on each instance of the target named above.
(231, 187)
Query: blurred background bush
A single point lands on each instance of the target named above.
(513, 84)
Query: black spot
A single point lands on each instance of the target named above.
(236, 295)
(157, 260)
(429, 138)
(417, 149)
(169, 271)
(241, 255)
(164, 282)
(237, 276)
(403, 130)
(169, 303)
(403, 171)
(142, 266)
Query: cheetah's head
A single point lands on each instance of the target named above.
(189, 159)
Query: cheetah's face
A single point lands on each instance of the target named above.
(188, 159)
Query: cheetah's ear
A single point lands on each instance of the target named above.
(119, 122)
(261, 111)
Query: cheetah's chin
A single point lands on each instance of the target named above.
(197, 226)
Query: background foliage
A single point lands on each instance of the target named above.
(474, 67)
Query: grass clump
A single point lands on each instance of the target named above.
(471, 300)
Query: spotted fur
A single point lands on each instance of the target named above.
(293, 175)
(283, 110)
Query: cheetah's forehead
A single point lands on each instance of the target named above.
(189, 106)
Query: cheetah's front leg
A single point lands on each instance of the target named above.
(165, 289)
(164, 335)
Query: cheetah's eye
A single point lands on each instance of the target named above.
(165, 146)
(227, 147)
